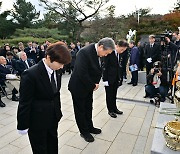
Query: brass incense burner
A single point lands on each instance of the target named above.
(171, 133)
(171, 130)
(177, 96)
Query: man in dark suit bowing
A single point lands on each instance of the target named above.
(39, 109)
(84, 80)
(152, 53)
(113, 77)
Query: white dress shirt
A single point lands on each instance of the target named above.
(117, 55)
(26, 63)
(97, 55)
(50, 71)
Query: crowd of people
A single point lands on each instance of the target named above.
(20, 57)
(86, 64)
(17, 59)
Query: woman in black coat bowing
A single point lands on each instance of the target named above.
(39, 109)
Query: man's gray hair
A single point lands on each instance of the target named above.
(152, 36)
(108, 43)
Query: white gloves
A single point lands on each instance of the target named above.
(11, 76)
(23, 132)
(149, 60)
(106, 83)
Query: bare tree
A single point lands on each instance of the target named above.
(81, 10)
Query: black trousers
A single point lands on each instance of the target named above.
(44, 141)
(83, 112)
(134, 78)
(14, 91)
(148, 67)
(111, 92)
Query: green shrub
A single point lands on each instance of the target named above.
(39, 33)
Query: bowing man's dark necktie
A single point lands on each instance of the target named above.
(53, 83)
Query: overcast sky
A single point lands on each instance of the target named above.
(123, 7)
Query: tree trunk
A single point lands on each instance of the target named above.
(80, 30)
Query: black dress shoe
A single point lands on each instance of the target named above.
(2, 104)
(15, 98)
(95, 131)
(118, 112)
(134, 84)
(112, 114)
(162, 99)
(87, 137)
(151, 101)
(130, 83)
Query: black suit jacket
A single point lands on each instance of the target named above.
(3, 71)
(21, 66)
(154, 52)
(39, 108)
(87, 72)
(112, 70)
(12, 63)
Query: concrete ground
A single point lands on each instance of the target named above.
(130, 133)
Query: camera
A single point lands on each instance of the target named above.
(157, 66)
(156, 70)
(166, 34)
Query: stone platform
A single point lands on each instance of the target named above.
(130, 133)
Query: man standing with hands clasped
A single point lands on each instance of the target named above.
(134, 63)
(84, 80)
(113, 77)
(39, 109)
(152, 53)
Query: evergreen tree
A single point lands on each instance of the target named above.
(7, 27)
(24, 13)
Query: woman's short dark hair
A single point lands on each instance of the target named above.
(58, 52)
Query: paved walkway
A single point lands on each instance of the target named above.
(130, 133)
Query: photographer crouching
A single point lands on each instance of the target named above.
(157, 85)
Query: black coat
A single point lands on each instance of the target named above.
(154, 52)
(3, 53)
(39, 108)
(21, 66)
(41, 55)
(12, 63)
(112, 70)
(87, 72)
(3, 71)
(134, 57)
(173, 51)
(73, 56)
(32, 54)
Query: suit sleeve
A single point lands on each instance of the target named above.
(27, 88)
(156, 55)
(105, 71)
(145, 52)
(18, 67)
(3, 76)
(135, 53)
(82, 63)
